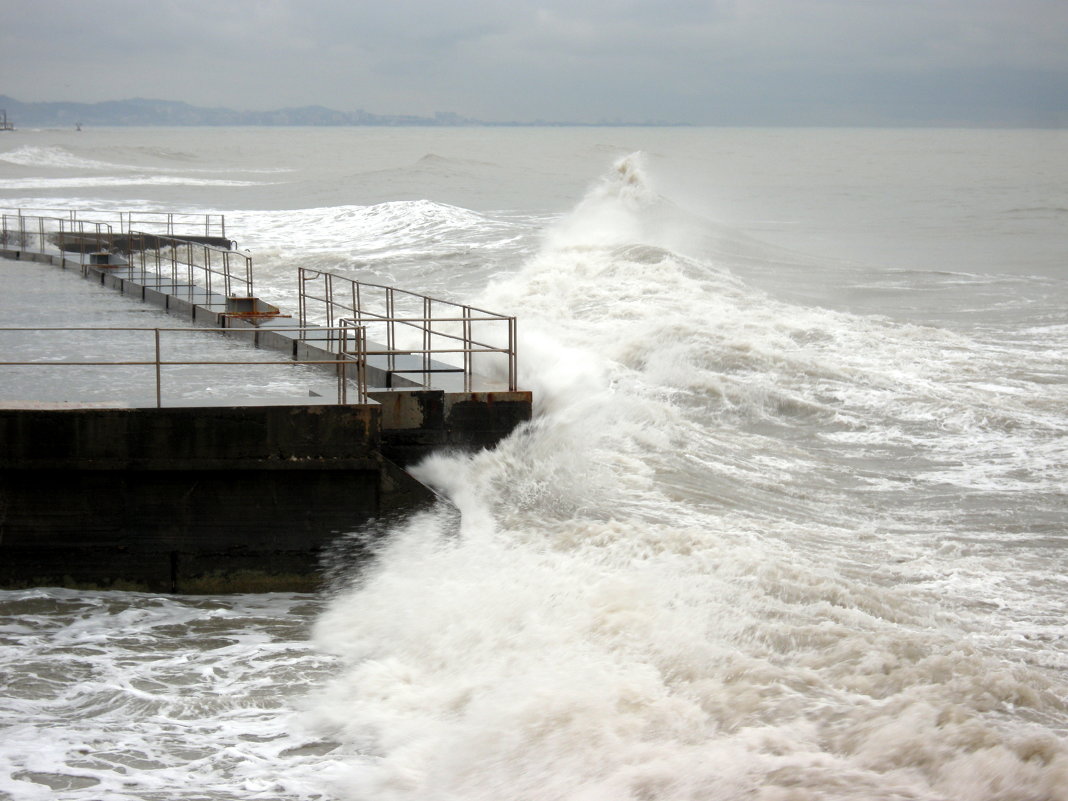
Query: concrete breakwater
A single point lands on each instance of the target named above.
(225, 498)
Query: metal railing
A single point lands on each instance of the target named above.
(37, 234)
(349, 374)
(399, 325)
(228, 272)
(410, 323)
(182, 260)
(168, 223)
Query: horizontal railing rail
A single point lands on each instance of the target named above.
(407, 322)
(349, 373)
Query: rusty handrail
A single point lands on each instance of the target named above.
(202, 264)
(350, 302)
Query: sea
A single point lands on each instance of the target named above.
(790, 521)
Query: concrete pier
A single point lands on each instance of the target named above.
(222, 498)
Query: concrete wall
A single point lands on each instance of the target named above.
(188, 500)
(417, 422)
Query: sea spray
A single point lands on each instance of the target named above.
(669, 585)
(851, 482)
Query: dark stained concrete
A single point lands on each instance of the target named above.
(188, 499)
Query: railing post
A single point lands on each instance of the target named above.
(513, 366)
(428, 312)
(467, 336)
(342, 383)
(361, 365)
(391, 338)
(189, 262)
(159, 402)
(206, 252)
(301, 303)
(328, 293)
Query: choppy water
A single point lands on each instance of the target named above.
(789, 524)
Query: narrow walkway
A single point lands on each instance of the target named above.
(42, 296)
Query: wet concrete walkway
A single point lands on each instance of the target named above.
(43, 296)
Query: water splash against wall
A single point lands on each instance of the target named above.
(676, 583)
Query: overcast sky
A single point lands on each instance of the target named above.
(697, 61)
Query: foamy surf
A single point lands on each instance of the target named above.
(667, 588)
(786, 526)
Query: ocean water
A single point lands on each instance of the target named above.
(790, 522)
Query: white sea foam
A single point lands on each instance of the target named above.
(432, 248)
(379, 231)
(111, 181)
(754, 544)
(663, 588)
(52, 156)
(61, 158)
(121, 696)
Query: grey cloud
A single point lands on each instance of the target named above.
(700, 61)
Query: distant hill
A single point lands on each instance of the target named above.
(141, 111)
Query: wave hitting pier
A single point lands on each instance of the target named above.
(164, 495)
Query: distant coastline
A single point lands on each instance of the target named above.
(146, 112)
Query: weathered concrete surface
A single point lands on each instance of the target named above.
(417, 422)
(220, 499)
(188, 500)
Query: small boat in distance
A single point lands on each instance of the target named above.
(4, 124)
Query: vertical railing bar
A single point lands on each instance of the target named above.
(302, 302)
(427, 340)
(361, 365)
(328, 289)
(466, 335)
(391, 312)
(159, 402)
(190, 268)
(342, 383)
(142, 257)
(391, 328)
(174, 264)
(513, 357)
